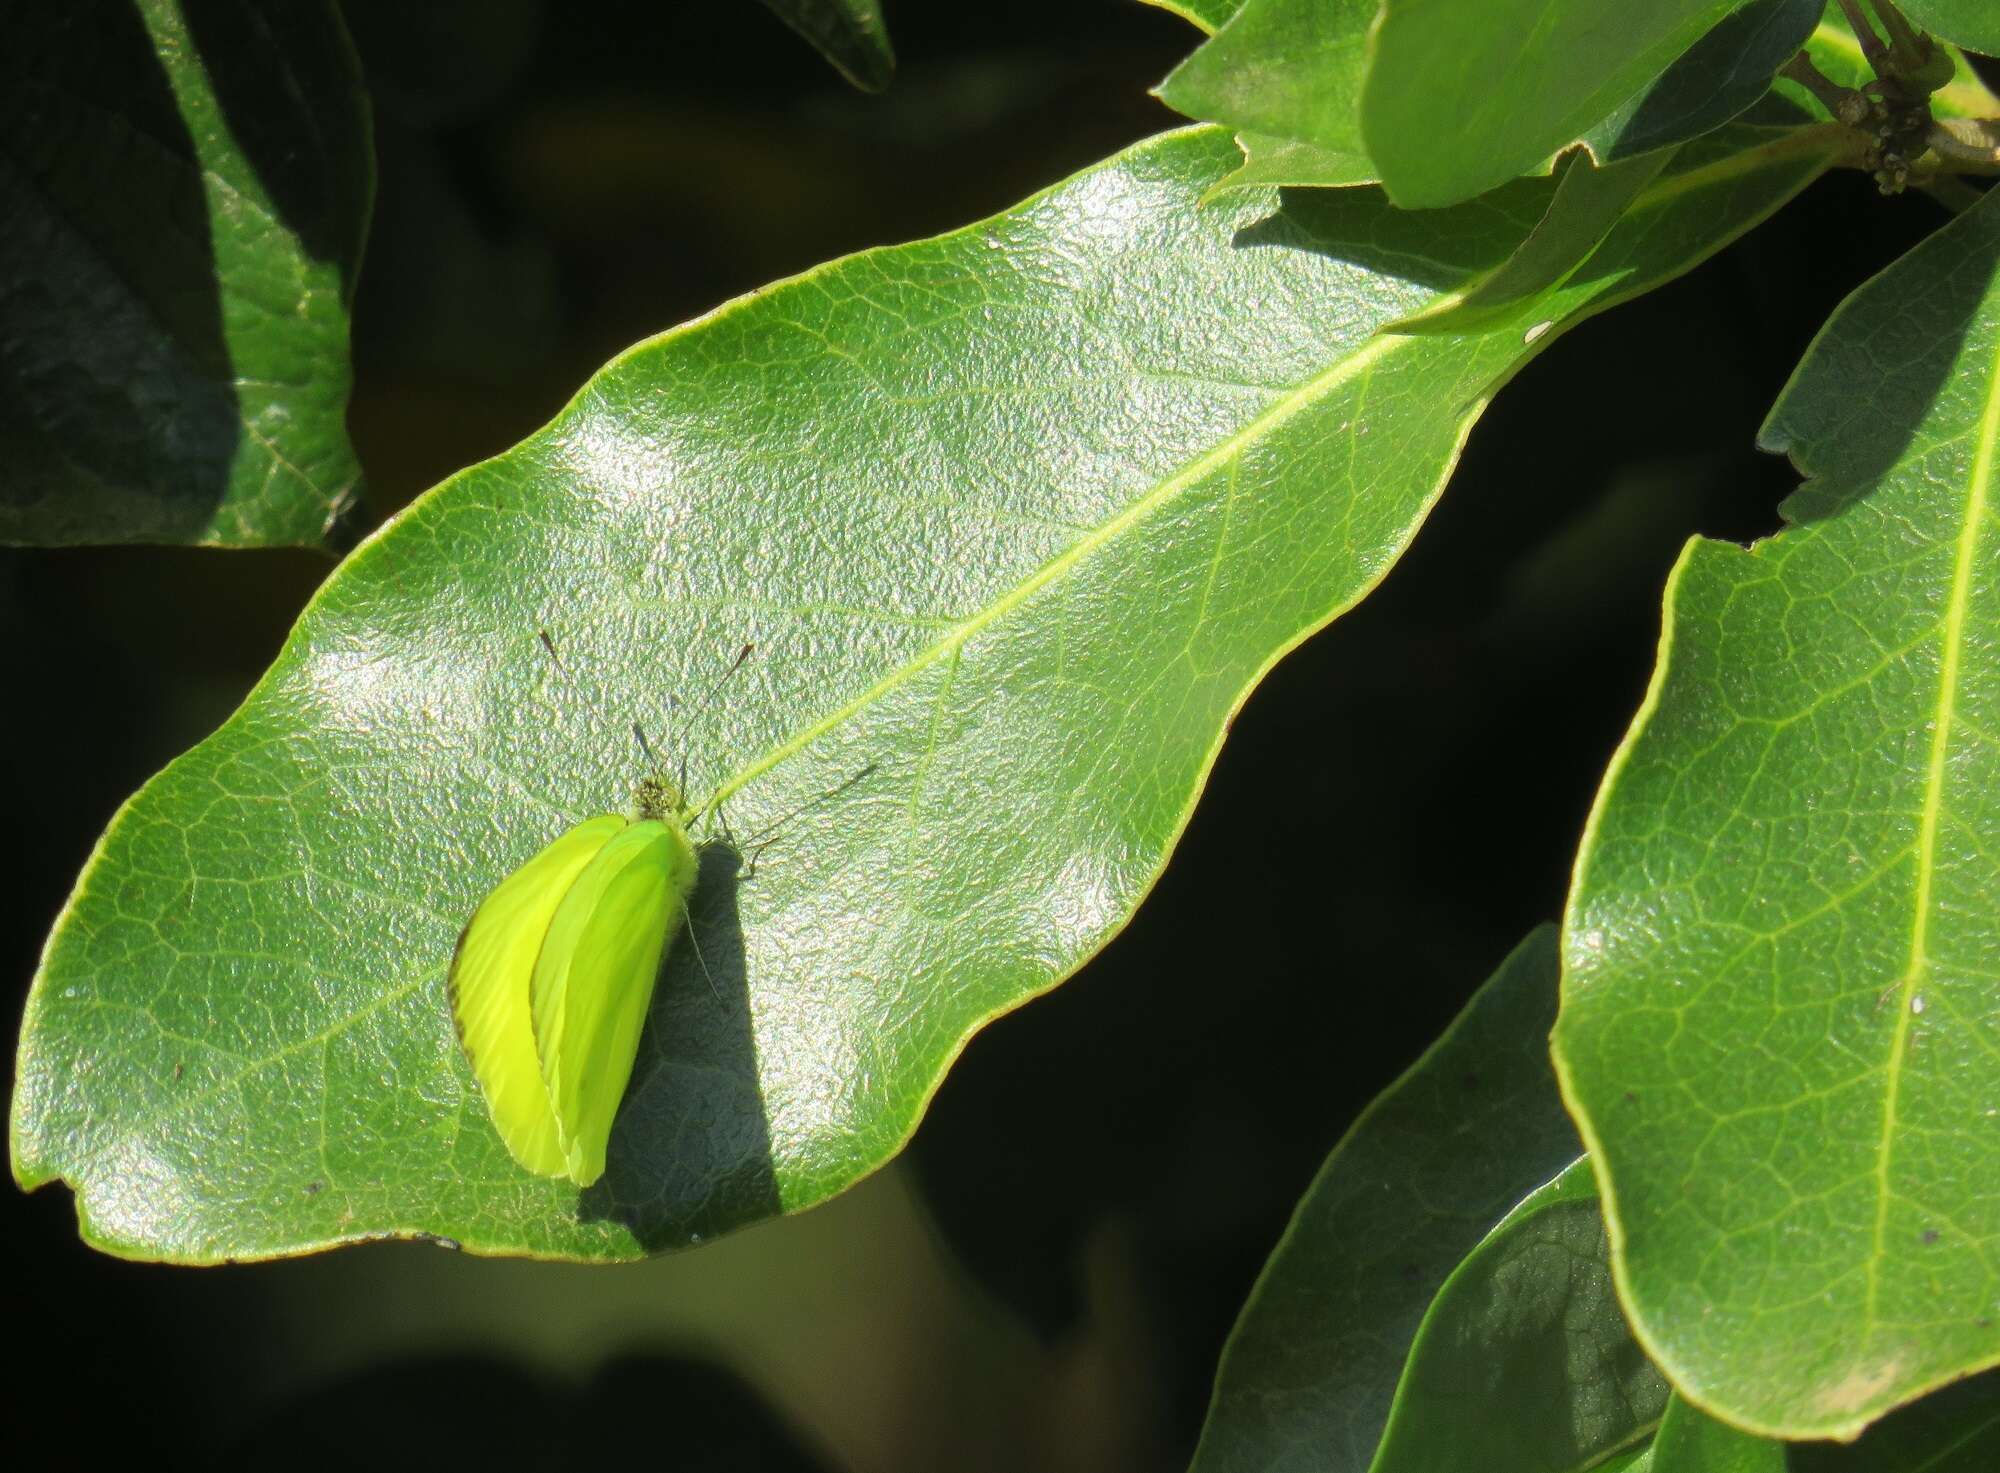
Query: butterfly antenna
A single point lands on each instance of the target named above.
(702, 703)
(702, 961)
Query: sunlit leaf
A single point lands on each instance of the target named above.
(1014, 518)
(1781, 1026)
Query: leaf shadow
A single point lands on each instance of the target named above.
(117, 411)
(1437, 249)
(690, 1153)
(1858, 402)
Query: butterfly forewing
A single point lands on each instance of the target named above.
(594, 980)
(491, 978)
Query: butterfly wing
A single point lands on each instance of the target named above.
(491, 976)
(594, 980)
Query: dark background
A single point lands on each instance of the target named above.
(1046, 1278)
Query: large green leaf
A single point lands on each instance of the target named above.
(1014, 517)
(184, 189)
(848, 33)
(1442, 1155)
(1973, 24)
(1463, 95)
(1781, 1020)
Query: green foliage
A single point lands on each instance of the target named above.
(1463, 95)
(405, 752)
(177, 273)
(1781, 994)
(1014, 519)
(1293, 72)
(1714, 80)
(1448, 1151)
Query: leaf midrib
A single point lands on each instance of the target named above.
(1951, 642)
(1259, 426)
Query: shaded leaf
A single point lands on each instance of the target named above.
(1524, 1363)
(1781, 1021)
(1588, 202)
(1463, 95)
(1714, 80)
(848, 33)
(184, 190)
(1001, 513)
(1442, 1155)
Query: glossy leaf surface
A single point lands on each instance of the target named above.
(1473, 1128)
(184, 190)
(1781, 1026)
(848, 33)
(1014, 518)
(1463, 95)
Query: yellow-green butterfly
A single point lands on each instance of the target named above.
(554, 973)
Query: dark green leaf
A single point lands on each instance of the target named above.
(1524, 1363)
(1781, 1026)
(1588, 202)
(1718, 77)
(848, 33)
(1463, 95)
(1440, 1157)
(183, 195)
(1014, 517)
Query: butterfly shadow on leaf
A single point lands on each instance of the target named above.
(690, 1152)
